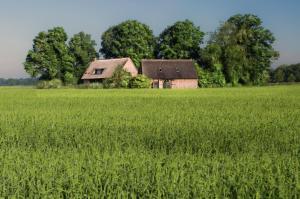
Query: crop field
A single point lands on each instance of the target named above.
(204, 143)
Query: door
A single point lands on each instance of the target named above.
(155, 84)
(167, 84)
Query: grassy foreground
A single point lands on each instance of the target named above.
(205, 143)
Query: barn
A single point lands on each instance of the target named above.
(170, 73)
(102, 69)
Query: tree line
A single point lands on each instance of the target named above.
(18, 82)
(286, 73)
(240, 51)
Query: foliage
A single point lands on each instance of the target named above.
(180, 41)
(286, 73)
(128, 39)
(208, 79)
(291, 78)
(278, 75)
(120, 79)
(49, 57)
(44, 84)
(82, 49)
(211, 57)
(94, 85)
(140, 81)
(205, 143)
(69, 78)
(244, 49)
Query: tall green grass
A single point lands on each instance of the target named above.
(205, 143)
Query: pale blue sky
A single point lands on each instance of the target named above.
(21, 20)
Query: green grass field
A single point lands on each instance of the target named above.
(205, 143)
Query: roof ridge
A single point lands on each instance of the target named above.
(167, 60)
(113, 59)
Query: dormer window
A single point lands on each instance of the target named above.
(99, 71)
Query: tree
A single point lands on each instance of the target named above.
(120, 79)
(128, 39)
(180, 41)
(247, 50)
(82, 49)
(279, 75)
(294, 70)
(286, 73)
(49, 58)
(211, 57)
(291, 78)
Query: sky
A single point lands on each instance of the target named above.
(21, 21)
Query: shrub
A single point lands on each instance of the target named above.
(209, 79)
(120, 79)
(95, 85)
(90, 86)
(42, 85)
(140, 81)
(55, 83)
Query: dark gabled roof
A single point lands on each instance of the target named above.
(169, 69)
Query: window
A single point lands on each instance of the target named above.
(99, 71)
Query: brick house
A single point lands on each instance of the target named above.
(104, 68)
(170, 73)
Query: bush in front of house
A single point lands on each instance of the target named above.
(120, 79)
(55, 83)
(91, 86)
(209, 79)
(140, 81)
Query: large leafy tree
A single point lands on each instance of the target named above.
(182, 40)
(246, 49)
(82, 49)
(49, 58)
(128, 39)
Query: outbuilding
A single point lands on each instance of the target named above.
(177, 73)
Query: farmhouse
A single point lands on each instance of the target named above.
(171, 73)
(103, 69)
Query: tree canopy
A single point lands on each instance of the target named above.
(243, 48)
(82, 49)
(180, 41)
(128, 39)
(49, 57)
(52, 58)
